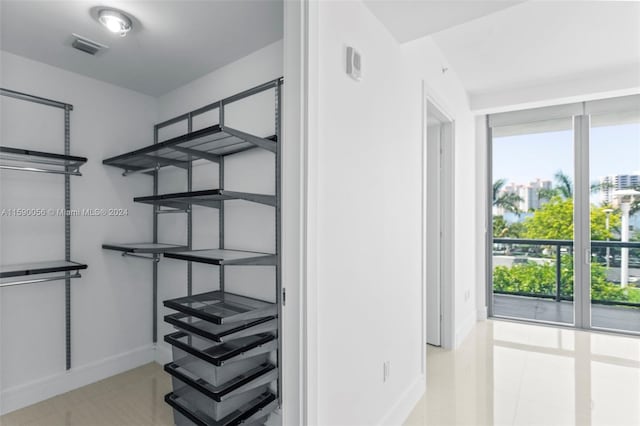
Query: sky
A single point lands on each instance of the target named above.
(524, 158)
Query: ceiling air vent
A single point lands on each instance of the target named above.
(85, 45)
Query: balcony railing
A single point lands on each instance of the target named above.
(600, 250)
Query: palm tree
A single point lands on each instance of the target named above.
(563, 187)
(508, 201)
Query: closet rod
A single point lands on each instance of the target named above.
(133, 172)
(39, 170)
(163, 211)
(40, 280)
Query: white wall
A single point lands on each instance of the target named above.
(111, 303)
(365, 221)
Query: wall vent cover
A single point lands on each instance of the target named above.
(86, 45)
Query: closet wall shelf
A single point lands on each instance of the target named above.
(35, 272)
(38, 161)
(33, 268)
(149, 248)
(224, 257)
(208, 144)
(206, 198)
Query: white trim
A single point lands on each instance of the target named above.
(448, 136)
(309, 228)
(294, 125)
(405, 404)
(30, 393)
(536, 114)
(423, 233)
(448, 246)
(447, 188)
(552, 112)
(622, 103)
(465, 327)
(581, 221)
(163, 354)
(482, 313)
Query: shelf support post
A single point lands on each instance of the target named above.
(278, 242)
(189, 211)
(221, 277)
(155, 241)
(67, 237)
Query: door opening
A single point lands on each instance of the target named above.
(439, 238)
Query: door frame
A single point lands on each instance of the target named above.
(446, 211)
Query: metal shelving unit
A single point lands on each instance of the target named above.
(249, 327)
(19, 159)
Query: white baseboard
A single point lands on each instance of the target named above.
(405, 404)
(465, 327)
(483, 313)
(30, 393)
(163, 354)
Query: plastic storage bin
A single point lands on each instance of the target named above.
(219, 401)
(221, 332)
(222, 308)
(217, 363)
(253, 413)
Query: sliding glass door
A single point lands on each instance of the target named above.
(615, 220)
(532, 220)
(565, 214)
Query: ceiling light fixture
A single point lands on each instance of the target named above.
(116, 22)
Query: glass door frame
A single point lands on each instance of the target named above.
(581, 116)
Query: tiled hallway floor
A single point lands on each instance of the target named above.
(134, 398)
(515, 374)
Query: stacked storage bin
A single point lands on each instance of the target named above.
(221, 369)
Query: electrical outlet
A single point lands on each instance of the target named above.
(386, 369)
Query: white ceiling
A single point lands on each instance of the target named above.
(172, 43)
(411, 19)
(541, 43)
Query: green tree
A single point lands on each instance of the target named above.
(554, 221)
(505, 200)
(504, 229)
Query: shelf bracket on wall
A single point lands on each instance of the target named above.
(153, 258)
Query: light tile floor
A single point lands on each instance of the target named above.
(508, 373)
(128, 399)
(503, 374)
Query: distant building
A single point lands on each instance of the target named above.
(610, 184)
(529, 193)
